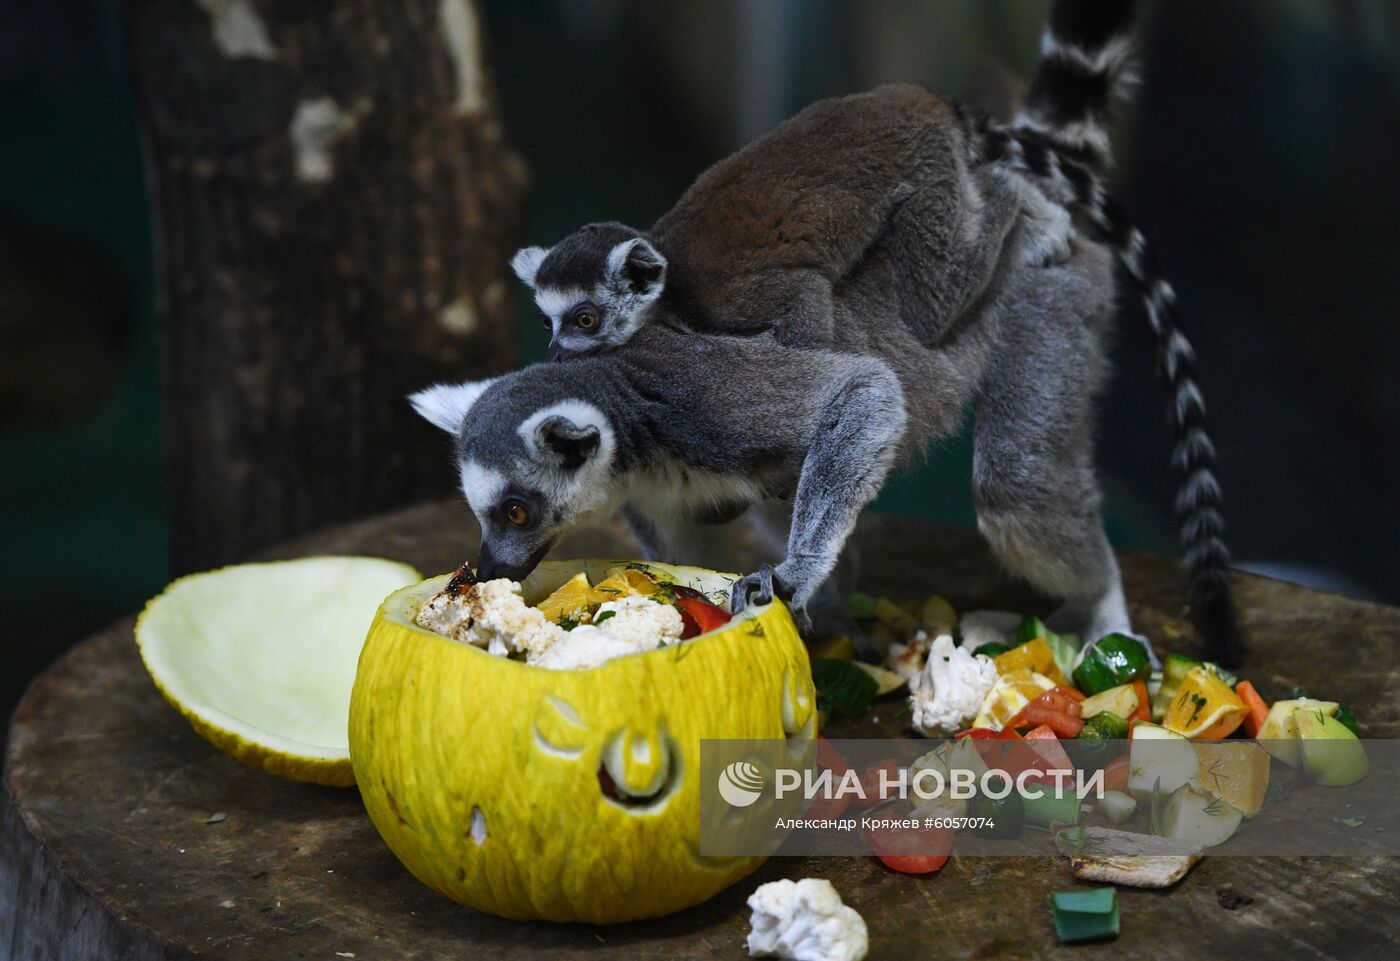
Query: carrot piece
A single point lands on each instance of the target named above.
(1115, 774)
(1258, 709)
(1144, 708)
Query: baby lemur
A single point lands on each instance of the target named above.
(827, 302)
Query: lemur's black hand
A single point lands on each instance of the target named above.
(752, 590)
(762, 587)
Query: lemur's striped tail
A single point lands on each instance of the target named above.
(1199, 499)
(1084, 53)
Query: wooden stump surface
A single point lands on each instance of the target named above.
(127, 836)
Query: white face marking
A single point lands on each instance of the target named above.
(481, 486)
(553, 301)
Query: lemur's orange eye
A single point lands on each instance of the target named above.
(517, 514)
(545, 322)
(586, 320)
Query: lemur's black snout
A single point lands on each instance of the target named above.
(489, 567)
(555, 353)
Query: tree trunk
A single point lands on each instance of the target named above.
(334, 205)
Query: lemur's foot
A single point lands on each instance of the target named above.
(1095, 618)
(762, 587)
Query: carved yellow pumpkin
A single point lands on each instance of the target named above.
(565, 795)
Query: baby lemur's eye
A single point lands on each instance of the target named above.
(586, 319)
(545, 322)
(517, 514)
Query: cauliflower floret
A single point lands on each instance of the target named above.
(635, 624)
(446, 613)
(584, 647)
(493, 615)
(640, 621)
(805, 921)
(502, 623)
(950, 688)
(987, 627)
(906, 659)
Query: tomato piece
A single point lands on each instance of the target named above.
(977, 734)
(870, 783)
(830, 759)
(828, 807)
(1073, 693)
(913, 863)
(921, 850)
(1009, 753)
(1056, 708)
(699, 616)
(1039, 715)
(1046, 743)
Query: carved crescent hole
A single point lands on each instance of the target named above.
(549, 747)
(562, 711)
(653, 800)
(798, 718)
(477, 832)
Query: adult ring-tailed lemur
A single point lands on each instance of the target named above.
(829, 300)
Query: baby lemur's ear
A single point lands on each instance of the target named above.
(526, 263)
(445, 406)
(568, 443)
(638, 267)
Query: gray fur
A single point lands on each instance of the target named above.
(826, 302)
(831, 424)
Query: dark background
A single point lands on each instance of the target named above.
(1260, 154)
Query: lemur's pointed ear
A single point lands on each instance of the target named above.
(569, 443)
(445, 406)
(526, 263)
(639, 267)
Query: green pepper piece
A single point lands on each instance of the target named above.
(1030, 629)
(991, 649)
(1005, 815)
(1117, 659)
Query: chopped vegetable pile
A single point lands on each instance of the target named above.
(580, 625)
(1172, 745)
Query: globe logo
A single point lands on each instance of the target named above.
(741, 783)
